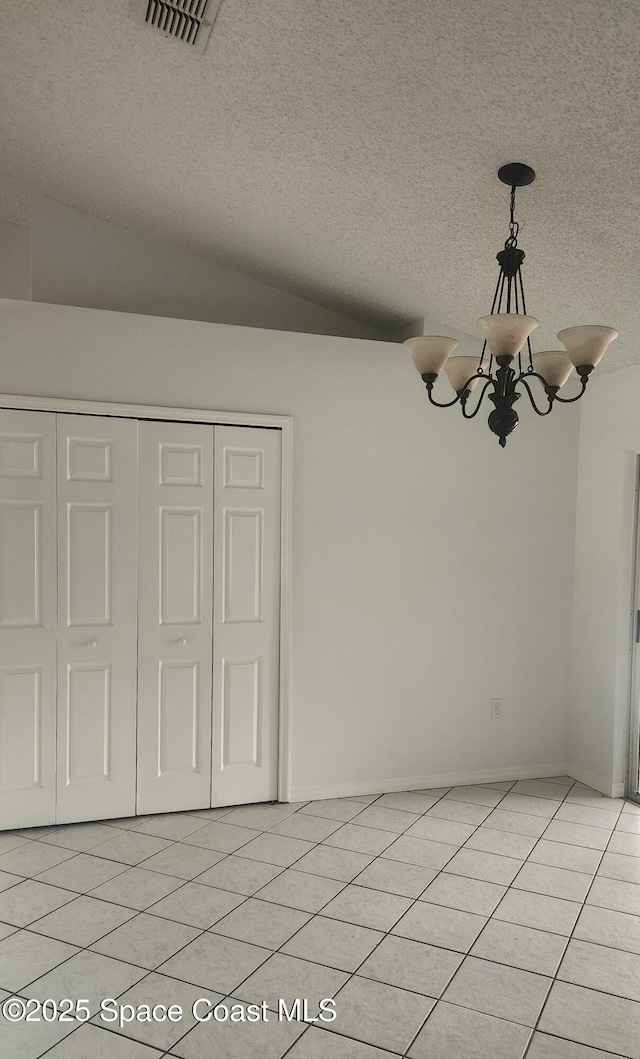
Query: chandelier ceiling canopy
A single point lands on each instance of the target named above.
(507, 329)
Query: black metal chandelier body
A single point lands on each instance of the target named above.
(507, 329)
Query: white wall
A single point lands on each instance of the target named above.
(15, 264)
(78, 259)
(600, 692)
(432, 569)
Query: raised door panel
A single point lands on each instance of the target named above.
(27, 618)
(175, 638)
(246, 615)
(97, 599)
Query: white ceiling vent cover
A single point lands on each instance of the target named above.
(189, 21)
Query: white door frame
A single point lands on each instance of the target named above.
(238, 419)
(633, 770)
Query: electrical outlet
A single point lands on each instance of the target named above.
(497, 708)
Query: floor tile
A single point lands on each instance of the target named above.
(575, 813)
(287, 978)
(318, 1044)
(332, 943)
(516, 946)
(25, 956)
(182, 861)
(297, 889)
(411, 965)
(593, 1018)
(506, 992)
(379, 1014)
(7, 880)
(383, 819)
(577, 834)
(6, 930)
(469, 895)
(239, 1040)
(100, 1044)
(221, 836)
(519, 823)
(555, 882)
(612, 893)
(211, 814)
(81, 836)
(598, 801)
(333, 808)
(597, 967)
(130, 847)
(617, 866)
(146, 940)
(420, 851)
(275, 849)
(30, 900)
(361, 839)
(366, 798)
(477, 795)
(20, 1041)
(410, 802)
(463, 812)
(239, 875)
(334, 863)
(408, 880)
(261, 923)
(488, 867)
(309, 828)
(545, 1047)
(88, 975)
(565, 781)
(563, 855)
(196, 905)
(628, 822)
(538, 788)
(522, 803)
(505, 843)
(82, 921)
(538, 911)
(459, 1033)
(436, 830)
(367, 907)
(33, 858)
(83, 872)
(259, 817)
(447, 927)
(159, 989)
(621, 842)
(215, 962)
(500, 785)
(170, 825)
(631, 807)
(136, 888)
(618, 930)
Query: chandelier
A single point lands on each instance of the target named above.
(507, 328)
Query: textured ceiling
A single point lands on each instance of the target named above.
(347, 149)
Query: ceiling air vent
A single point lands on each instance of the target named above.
(189, 21)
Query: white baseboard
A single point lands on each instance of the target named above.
(610, 790)
(435, 779)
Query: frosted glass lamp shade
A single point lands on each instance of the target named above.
(506, 333)
(460, 369)
(587, 344)
(554, 366)
(430, 352)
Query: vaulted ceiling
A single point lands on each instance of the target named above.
(347, 150)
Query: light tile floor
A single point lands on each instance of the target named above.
(494, 921)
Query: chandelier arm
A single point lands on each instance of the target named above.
(441, 404)
(570, 400)
(531, 375)
(470, 415)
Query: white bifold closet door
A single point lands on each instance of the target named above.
(28, 619)
(97, 599)
(175, 616)
(246, 615)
